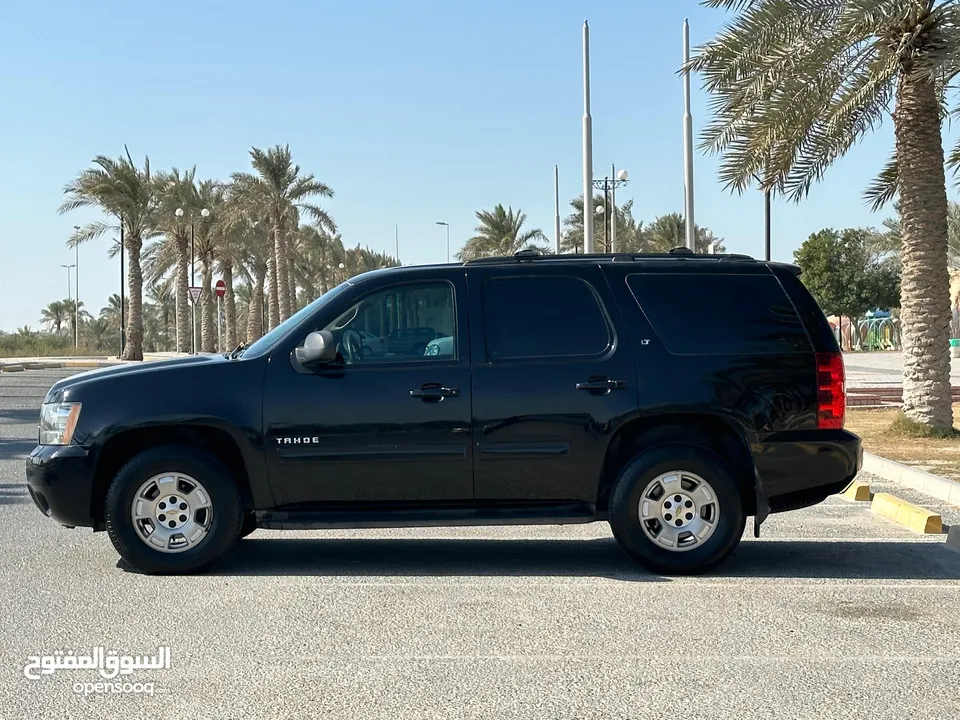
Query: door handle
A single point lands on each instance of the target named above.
(434, 392)
(603, 384)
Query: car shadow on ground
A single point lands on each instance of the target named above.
(378, 557)
(15, 449)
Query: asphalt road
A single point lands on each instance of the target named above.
(833, 613)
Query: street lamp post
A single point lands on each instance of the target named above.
(76, 305)
(448, 238)
(193, 302)
(69, 292)
(609, 185)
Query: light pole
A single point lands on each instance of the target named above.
(609, 185)
(76, 306)
(193, 296)
(448, 238)
(69, 292)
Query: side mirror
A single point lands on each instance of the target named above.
(318, 347)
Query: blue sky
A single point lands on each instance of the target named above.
(413, 112)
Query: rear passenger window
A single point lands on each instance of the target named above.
(722, 314)
(542, 317)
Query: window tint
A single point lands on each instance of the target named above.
(404, 323)
(719, 314)
(542, 317)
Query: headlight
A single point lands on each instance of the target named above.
(57, 423)
(432, 350)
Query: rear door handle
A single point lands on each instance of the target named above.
(434, 392)
(602, 384)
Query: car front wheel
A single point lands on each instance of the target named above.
(676, 509)
(172, 510)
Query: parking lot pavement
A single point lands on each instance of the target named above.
(833, 612)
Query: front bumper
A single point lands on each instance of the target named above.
(60, 481)
(802, 468)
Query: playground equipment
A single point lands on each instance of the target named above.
(870, 333)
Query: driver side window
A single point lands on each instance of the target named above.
(404, 323)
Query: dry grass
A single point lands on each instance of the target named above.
(888, 434)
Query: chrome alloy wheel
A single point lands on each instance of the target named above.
(172, 512)
(679, 510)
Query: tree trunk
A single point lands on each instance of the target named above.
(230, 310)
(208, 318)
(925, 283)
(283, 272)
(273, 296)
(134, 347)
(255, 311)
(291, 273)
(183, 304)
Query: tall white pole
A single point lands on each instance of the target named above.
(396, 229)
(219, 330)
(76, 306)
(613, 208)
(556, 206)
(587, 147)
(687, 142)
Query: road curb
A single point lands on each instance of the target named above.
(912, 517)
(858, 491)
(933, 485)
(953, 538)
(11, 368)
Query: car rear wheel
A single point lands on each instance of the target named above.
(173, 509)
(677, 510)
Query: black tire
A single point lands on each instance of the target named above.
(249, 525)
(625, 512)
(419, 349)
(225, 526)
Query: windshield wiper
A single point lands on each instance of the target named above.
(237, 351)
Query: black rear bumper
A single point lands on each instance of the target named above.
(804, 467)
(60, 481)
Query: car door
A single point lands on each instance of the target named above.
(553, 377)
(376, 428)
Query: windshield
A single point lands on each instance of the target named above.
(266, 343)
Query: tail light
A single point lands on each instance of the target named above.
(831, 391)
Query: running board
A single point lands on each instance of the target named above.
(380, 517)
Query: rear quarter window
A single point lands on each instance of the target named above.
(719, 314)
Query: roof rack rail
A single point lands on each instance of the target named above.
(538, 255)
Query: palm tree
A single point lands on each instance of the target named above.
(70, 309)
(163, 300)
(111, 312)
(500, 233)
(669, 231)
(794, 88)
(630, 233)
(97, 332)
(278, 188)
(176, 190)
(120, 189)
(891, 240)
(54, 316)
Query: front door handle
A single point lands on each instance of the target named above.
(602, 384)
(434, 392)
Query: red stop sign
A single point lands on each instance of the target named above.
(221, 288)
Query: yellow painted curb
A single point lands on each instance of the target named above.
(857, 491)
(911, 516)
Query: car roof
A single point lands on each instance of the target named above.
(676, 259)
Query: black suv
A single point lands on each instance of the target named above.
(669, 395)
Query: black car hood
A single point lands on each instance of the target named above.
(130, 368)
